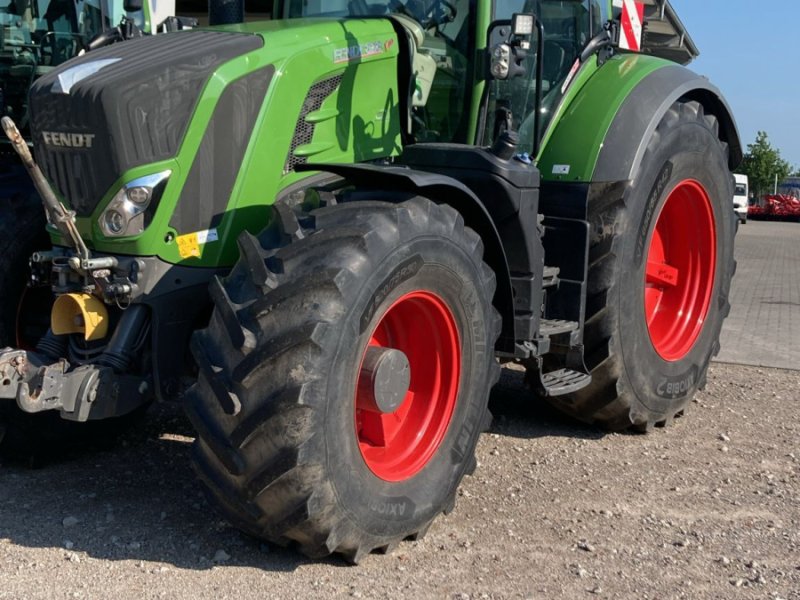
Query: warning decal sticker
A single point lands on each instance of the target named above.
(189, 245)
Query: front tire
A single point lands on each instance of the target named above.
(22, 224)
(661, 262)
(289, 444)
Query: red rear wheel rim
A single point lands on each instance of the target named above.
(398, 445)
(679, 275)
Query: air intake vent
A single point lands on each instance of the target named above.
(304, 131)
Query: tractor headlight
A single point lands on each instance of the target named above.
(139, 195)
(114, 222)
(522, 24)
(132, 208)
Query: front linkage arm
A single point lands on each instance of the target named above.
(56, 213)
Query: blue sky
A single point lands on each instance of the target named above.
(750, 51)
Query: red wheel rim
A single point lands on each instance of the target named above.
(679, 276)
(396, 446)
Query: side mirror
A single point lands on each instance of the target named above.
(133, 6)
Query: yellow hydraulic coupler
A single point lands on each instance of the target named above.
(80, 313)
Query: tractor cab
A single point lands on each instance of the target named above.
(561, 32)
(447, 72)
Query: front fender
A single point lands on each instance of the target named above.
(391, 179)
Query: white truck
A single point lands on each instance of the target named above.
(740, 196)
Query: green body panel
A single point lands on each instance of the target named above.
(147, 14)
(360, 121)
(485, 15)
(577, 131)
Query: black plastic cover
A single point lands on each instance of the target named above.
(469, 158)
(509, 189)
(128, 113)
(208, 187)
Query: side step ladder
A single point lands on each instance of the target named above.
(561, 381)
(551, 327)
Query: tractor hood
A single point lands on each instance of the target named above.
(120, 107)
(228, 112)
(117, 108)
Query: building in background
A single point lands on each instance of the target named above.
(790, 187)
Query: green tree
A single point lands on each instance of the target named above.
(762, 163)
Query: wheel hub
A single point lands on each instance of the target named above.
(679, 276)
(383, 381)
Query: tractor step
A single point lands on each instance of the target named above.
(550, 276)
(551, 327)
(564, 381)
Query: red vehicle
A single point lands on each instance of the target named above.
(777, 207)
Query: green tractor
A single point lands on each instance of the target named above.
(353, 214)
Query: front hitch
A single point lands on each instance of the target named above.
(39, 381)
(42, 380)
(88, 392)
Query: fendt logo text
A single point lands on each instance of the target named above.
(68, 140)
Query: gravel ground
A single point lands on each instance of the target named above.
(707, 508)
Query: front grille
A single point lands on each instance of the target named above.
(304, 131)
(137, 108)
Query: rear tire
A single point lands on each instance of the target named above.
(647, 357)
(283, 447)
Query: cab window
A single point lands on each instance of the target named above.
(568, 26)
